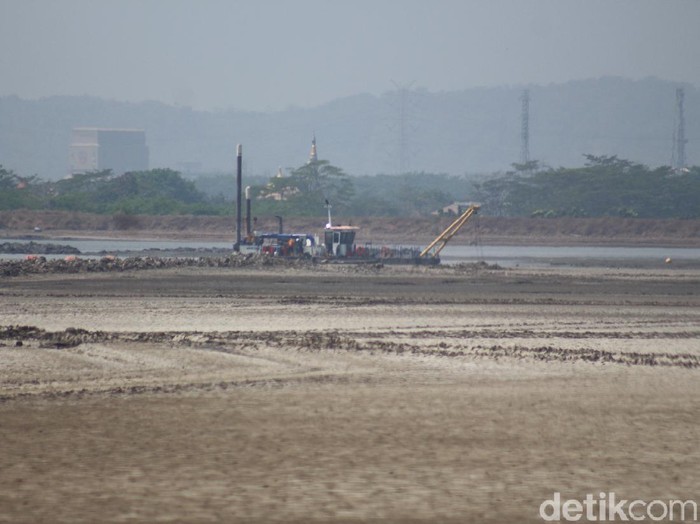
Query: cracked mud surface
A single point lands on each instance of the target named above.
(344, 394)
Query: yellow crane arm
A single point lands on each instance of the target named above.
(451, 230)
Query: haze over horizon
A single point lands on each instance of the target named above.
(269, 55)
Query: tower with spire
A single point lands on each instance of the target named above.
(313, 155)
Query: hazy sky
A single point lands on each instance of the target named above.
(271, 54)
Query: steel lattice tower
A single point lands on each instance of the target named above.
(525, 128)
(403, 92)
(679, 140)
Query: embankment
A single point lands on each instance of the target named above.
(484, 229)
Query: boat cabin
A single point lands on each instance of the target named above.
(340, 240)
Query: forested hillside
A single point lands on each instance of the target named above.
(474, 131)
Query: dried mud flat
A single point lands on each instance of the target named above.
(344, 394)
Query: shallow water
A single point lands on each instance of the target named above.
(506, 256)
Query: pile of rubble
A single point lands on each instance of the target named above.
(36, 248)
(72, 264)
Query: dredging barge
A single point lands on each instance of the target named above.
(337, 243)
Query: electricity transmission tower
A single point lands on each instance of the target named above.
(402, 123)
(679, 140)
(525, 128)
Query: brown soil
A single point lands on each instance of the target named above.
(344, 394)
(418, 231)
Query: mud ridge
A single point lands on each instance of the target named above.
(176, 388)
(529, 333)
(354, 342)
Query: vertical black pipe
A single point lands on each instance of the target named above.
(239, 187)
(248, 230)
(280, 229)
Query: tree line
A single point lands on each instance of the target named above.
(603, 186)
(304, 192)
(158, 191)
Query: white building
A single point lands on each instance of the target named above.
(95, 149)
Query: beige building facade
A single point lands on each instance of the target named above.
(95, 149)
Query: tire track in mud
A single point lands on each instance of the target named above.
(359, 301)
(529, 333)
(188, 387)
(237, 341)
(322, 341)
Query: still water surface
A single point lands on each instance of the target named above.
(507, 256)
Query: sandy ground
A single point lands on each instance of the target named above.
(345, 394)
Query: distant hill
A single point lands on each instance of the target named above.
(470, 131)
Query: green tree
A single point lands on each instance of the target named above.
(408, 194)
(308, 187)
(527, 167)
(604, 186)
(19, 192)
(154, 192)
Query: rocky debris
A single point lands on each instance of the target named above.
(72, 264)
(166, 252)
(465, 267)
(36, 248)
